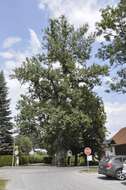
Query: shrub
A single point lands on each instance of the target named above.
(81, 161)
(5, 160)
(94, 163)
(31, 159)
(36, 158)
(24, 160)
(47, 159)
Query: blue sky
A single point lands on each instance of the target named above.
(17, 16)
(20, 36)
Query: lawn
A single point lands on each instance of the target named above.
(2, 184)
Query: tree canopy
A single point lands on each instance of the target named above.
(60, 107)
(24, 145)
(113, 28)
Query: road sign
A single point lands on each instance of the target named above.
(87, 151)
(69, 153)
(89, 158)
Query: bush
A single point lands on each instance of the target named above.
(81, 161)
(31, 159)
(5, 160)
(47, 159)
(36, 158)
(94, 163)
(24, 160)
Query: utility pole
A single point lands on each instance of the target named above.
(15, 133)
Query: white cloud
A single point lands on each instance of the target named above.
(116, 116)
(78, 12)
(15, 90)
(10, 41)
(14, 58)
(35, 45)
(9, 66)
(7, 55)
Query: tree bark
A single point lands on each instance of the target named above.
(76, 160)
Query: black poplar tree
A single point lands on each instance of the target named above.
(60, 106)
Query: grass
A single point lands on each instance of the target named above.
(3, 184)
(90, 170)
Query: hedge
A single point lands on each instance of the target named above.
(47, 159)
(36, 158)
(5, 160)
(24, 160)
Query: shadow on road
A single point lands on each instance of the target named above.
(107, 178)
(123, 183)
(111, 179)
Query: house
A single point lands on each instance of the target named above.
(117, 144)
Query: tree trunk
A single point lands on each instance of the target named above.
(68, 160)
(76, 160)
(61, 158)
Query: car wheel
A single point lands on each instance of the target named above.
(122, 177)
(119, 174)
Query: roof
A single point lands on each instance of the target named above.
(120, 136)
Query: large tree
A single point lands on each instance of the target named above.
(5, 123)
(61, 104)
(113, 28)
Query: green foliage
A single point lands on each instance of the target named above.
(24, 144)
(5, 160)
(3, 184)
(36, 158)
(61, 110)
(23, 160)
(47, 159)
(113, 28)
(5, 124)
(82, 161)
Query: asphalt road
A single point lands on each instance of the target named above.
(53, 178)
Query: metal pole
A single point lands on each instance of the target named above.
(13, 152)
(87, 164)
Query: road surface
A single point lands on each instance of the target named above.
(56, 178)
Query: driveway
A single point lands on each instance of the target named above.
(53, 178)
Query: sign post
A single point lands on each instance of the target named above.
(87, 151)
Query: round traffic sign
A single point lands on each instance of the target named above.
(87, 151)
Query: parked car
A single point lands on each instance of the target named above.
(112, 166)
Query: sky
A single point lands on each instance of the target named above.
(21, 34)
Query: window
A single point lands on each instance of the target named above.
(124, 159)
(118, 159)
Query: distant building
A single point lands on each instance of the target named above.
(38, 150)
(117, 144)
